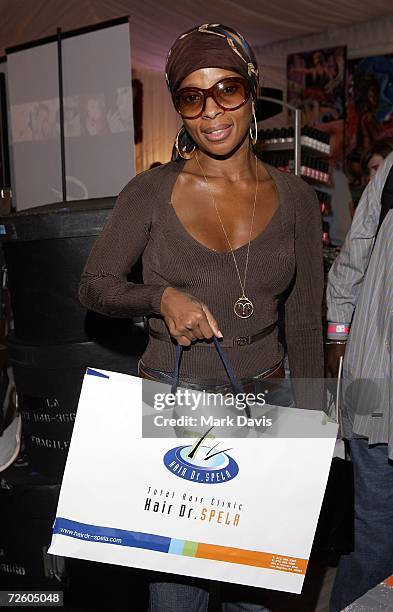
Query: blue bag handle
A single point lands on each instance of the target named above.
(228, 368)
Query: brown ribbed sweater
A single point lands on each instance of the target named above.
(285, 277)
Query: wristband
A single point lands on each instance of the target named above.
(338, 328)
(335, 342)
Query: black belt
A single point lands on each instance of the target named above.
(226, 342)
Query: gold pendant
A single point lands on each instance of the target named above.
(244, 307)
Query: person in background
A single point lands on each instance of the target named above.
(375, 156)
(355, 174)
(363, 168)
(231, 250)
(360, 329)
(42, 125)
(94, 115)
(120, 119)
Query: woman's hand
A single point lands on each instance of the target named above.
(333, 352)
(187, 318)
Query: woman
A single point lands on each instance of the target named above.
(231, 248)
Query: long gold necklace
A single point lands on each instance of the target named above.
(243, 306)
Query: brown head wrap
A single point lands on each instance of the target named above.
(211, 46)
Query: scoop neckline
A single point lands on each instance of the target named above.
(243, 246)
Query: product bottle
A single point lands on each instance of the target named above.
(325, 233)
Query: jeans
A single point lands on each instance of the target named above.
(191, 595)
(372, 558)
(277, 391)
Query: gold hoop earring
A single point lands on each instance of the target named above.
(254, 137)
(182, 151)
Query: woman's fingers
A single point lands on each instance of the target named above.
(177, 332)
(183, 340)
(199, 325)
(211, 322)
(187, 318)
(197, 333)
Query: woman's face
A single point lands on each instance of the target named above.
(217, 131)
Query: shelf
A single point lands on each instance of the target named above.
(278, 147)
(315, 182)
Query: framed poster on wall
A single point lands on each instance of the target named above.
(369, 102)
(316, 84)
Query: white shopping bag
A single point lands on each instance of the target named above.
(241, 510)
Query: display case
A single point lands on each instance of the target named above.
(305, 152)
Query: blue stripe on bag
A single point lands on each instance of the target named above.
(92, 372)
(108, 535)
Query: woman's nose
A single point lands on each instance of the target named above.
(211, 109)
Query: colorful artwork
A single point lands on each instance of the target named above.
(84, 115)
(369, 102)
(316, 84)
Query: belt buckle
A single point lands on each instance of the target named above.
(241, 340)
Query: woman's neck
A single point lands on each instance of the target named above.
(239, 166)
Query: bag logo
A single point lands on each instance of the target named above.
(201, 463)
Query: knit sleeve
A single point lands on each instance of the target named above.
(303, 307)
(104, 286)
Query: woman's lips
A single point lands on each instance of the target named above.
(218, 134)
